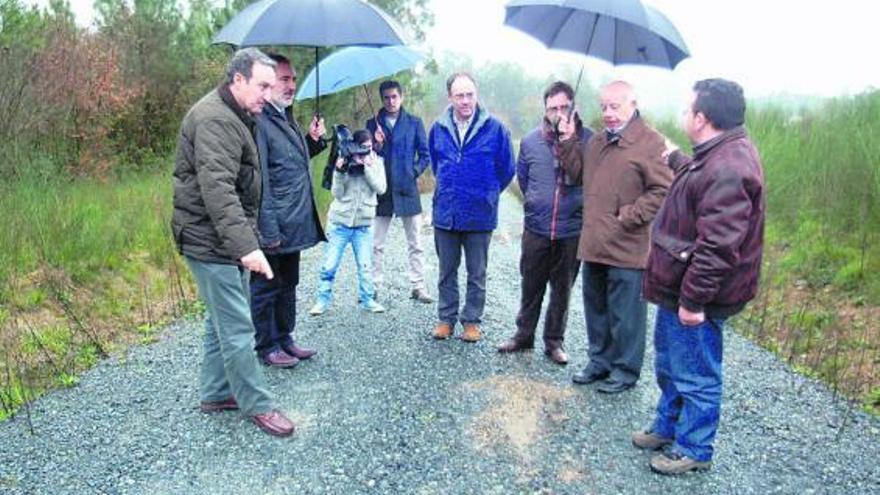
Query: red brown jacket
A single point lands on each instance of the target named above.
(707, 239)
(624, 183)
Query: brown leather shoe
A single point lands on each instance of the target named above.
(280, 359)
(442, 330)
(513, 345)
(298, 352)
(557, 355)
(219, 405)
(274, 423)
(471, 333)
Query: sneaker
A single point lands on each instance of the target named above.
(673, 462)
(373, 307)
(318, 309)
(648, 440)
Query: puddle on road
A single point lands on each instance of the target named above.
(520, 412)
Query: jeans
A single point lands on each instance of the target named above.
(273, 303)
(449, 245)
(412, 227)
(544, 261)
(616, 318)
(688, 368)
(229, 366)
(338, 237)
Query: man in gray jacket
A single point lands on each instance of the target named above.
(288, 218)
(216, 191)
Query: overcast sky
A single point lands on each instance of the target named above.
(769, 46)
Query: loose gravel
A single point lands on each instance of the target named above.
(385, 409)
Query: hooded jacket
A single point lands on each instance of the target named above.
(470, 174)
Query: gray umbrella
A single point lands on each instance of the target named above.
(618, 31)
(316, 23)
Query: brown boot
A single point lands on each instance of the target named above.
(442, 330)
(471, 333)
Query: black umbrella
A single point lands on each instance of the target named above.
(618, 31)
(314, 23)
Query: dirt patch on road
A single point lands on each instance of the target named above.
(520, 412)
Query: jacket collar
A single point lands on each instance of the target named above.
(286, 123)
(481, 116)
(382, 114)
(229, 100)
(630, 134)
(703, 149)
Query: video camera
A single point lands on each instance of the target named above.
(348, 148)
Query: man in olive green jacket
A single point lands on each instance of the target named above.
(624, 182)
(216, 199)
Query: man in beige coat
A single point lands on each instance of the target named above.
(624, 182)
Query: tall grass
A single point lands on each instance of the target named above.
(84, 265)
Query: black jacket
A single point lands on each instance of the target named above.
(287, 211)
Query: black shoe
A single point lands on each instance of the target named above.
(612, 386)
(588, 375)
(421, 296)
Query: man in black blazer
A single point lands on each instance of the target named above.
(288, 220)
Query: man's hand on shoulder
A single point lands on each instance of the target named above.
(256, 261)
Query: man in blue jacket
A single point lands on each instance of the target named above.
(472, 160)
(288, 221)
(552, 226)
(399, 138)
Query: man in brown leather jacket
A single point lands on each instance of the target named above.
(703, 267)
(624, 182)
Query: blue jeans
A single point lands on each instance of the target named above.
(688, 368)
(229, 366)
(449, 245)
(616, 318)
(338, 237)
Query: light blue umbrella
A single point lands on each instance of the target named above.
(356, 66)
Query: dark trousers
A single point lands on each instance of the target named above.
(544, 261)
(449, 245)
(616, 317)
(273, 303)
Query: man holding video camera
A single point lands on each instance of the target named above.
(358, 176)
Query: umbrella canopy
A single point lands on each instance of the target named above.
(357, 65)
(311, 23)
(618, 31)
(314, 23)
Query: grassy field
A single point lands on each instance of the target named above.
(84, 267)
(87, 267)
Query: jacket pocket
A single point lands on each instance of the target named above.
(670, 258)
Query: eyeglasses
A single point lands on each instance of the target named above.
(558, 109)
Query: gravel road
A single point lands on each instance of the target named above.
(385, 409)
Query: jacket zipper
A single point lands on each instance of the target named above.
(556, 193)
